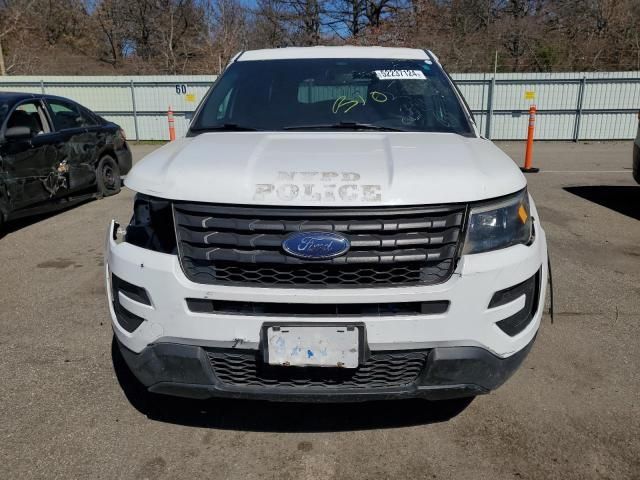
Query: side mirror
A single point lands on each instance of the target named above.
(18, 133)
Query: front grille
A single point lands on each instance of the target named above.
(315, 274)
(389, 246)
(382, 369)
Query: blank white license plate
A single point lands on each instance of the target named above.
(313, 346)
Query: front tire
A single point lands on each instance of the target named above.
(108, 176)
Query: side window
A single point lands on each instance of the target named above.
(29, 115)
(65, 115)
(88, 118)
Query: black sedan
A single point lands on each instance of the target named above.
(55, 152)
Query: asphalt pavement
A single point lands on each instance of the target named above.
(571, 412)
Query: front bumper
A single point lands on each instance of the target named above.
(449, 372)
(168, 350)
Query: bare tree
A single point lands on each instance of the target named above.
(198, 36)
(267, 26)
(302, 19)
(350, 14)
(228, 32)
(114, 27)
(12, 13)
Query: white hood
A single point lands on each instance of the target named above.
(327, 168)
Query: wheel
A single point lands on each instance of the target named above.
(108, 174)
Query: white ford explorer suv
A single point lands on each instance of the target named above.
(332, 228)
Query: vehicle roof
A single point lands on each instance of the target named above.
(17, 96)
(333, 52)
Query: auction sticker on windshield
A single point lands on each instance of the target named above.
(400, 75)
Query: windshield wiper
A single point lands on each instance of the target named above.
(225, 127)
(344, 126)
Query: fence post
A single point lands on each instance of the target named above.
(492, 88)
(483, 124)
(42, 86)
(135, 111)
(576, 129)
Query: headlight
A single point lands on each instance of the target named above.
(499, 225)
(151, 225)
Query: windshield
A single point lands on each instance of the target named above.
(316, 94)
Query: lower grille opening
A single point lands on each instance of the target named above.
(517, 322)
(380, 370)
(312, 275)
(197, 305)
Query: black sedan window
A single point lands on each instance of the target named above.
(30, 115)
(65, 115)
(89, 118)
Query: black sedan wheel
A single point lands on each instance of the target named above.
(108, 173)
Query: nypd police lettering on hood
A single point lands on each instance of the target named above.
(318, 187)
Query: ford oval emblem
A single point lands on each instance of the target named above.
(316, 245)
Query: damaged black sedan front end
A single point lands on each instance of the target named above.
(55, 152)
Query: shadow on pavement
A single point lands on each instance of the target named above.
(621, 198)
(262, 416)
(14, 225)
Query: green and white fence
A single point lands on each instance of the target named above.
(571, 106)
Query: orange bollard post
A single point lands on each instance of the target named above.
(528, 156)
(172, 127)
